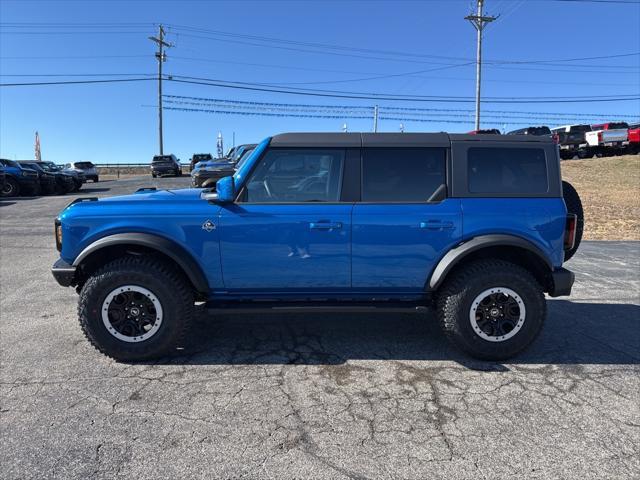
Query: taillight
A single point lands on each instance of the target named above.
(570, 231)
(599, 137)
(556, 138)
(58, 234)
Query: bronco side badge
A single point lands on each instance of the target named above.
(208, 226)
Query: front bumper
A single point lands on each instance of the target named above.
(561, 282)
(64, 273)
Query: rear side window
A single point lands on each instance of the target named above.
(507, 170)
(402, 174)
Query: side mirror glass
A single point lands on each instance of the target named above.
(226, 190)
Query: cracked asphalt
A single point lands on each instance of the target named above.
(314, 396)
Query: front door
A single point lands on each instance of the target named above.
(404, 223)
(289, 232)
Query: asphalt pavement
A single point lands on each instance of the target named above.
(315, 396)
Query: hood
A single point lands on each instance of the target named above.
(144, 202)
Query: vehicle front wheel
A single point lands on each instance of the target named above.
(136, 308)
(491, 309)
(11, 188)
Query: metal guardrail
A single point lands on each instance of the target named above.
(129, 165)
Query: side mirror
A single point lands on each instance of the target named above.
(226, 190)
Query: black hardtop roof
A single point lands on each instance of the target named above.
(357, 139)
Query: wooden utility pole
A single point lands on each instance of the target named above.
(162, 57)
(479, 21)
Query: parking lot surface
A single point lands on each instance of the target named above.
(314, 396)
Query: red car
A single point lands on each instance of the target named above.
(634, 138)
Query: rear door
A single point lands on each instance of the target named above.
(404, 222)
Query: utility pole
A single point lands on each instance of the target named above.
(162, 57)
(479, 21)
(375, 119)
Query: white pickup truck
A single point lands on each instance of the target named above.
(608, 137)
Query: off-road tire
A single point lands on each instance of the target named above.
(574, 205)
(11, 188)
(455, 298)
(166, 282)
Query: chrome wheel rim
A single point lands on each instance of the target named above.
(497, 314)
(132, 313)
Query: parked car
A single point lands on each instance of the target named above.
(206, 174)
(199, 157)
(239, 151)
(47, 180)
(572, 141)
(608, 138)
(325, 221)
(486, 131)
(88, 169)
(79, 178)
(634, 138)
(65, 181)
(165, 165)
(19, 180)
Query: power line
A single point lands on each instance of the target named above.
(75, 82)
(366, 107)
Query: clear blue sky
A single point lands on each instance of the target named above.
(117, 122)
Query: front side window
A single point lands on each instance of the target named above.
(507, 170)
(402, 174)
(297, 176)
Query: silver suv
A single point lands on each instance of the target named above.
(89, 169)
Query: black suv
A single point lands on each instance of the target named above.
(165, 165)
(47, 180)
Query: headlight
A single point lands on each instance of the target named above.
(58, 234)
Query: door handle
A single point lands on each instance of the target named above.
(437, 225)
(324, 225)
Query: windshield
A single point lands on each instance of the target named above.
(540, 131)
(163, 159)
(10, 163)
(580, 128)
(243, 169)
(618, 126)
(33, 166)
(49, 167)
(199, 157)
(84, 165)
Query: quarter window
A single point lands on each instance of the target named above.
(402, 174)
(297, 175)
(507, 170)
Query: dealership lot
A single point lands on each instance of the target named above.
(308, 396)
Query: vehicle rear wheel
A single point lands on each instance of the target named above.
(574, 205)
(11, 188)
(491, 309)
(136, 308)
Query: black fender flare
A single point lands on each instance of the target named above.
(171, 249)
(457, 254)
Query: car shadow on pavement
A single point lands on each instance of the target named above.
(574, 333)
(92, 190)
(6, 204)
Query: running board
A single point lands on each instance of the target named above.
(293, 307)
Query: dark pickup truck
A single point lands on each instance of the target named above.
(572, 141)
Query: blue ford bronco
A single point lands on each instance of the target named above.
(475, 226)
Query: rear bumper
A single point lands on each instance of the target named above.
(64, 273)
(561, 282)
